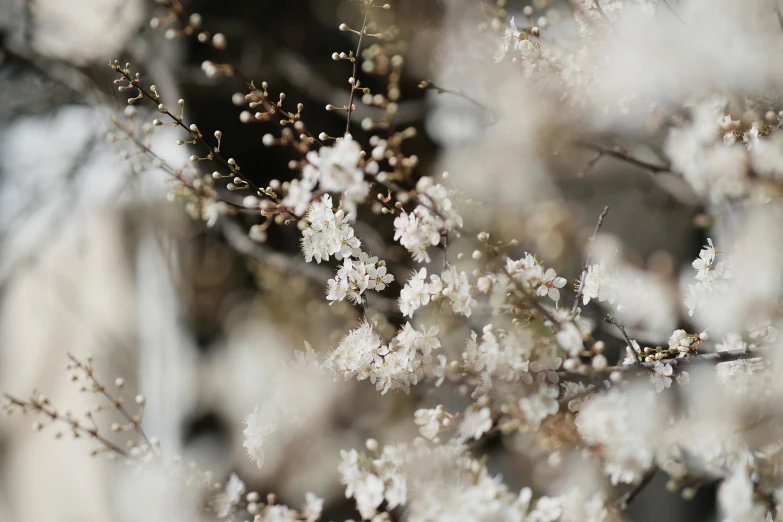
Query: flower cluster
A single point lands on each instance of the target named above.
(711, 277)
(396, 365)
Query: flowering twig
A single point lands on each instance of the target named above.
(587, 259)
(40, 405)
(739, 354)
(116, 402)
(355, 63)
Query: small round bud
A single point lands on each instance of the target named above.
(476, 254)
(600, 363)
(140, 400)
(157, 123)
(372, 444)
(194, 158)
(253, 497)
(193, 127)
(344, 27)
(528, 10)
(218, 134)
(219, 41)
(268, 140)
(232, 162)
(119, 382)
(483, 236)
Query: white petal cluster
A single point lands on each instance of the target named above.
(355, 276)
(434, 216)
(711, 277)
(257, 427)
(337, 170)
(539, 406)
(430, 421)
(475, 423)
(529, 273)
(230, 497)
(703, 152)
(736, 499)
(417, 292)
(661, 376)
(605, 422)
(398, 365)
(329, 233)
(597, 284)
(371, 481)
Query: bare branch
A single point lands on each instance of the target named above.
(629, 347)
(624, 155)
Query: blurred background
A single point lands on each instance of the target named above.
(94, 259)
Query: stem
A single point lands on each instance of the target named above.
(587, 259)
(355, 63)
(630, 348)
(625, 156)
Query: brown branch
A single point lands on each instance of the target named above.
(624, 155)
(78, 429)
(587, 259)
(426, 84)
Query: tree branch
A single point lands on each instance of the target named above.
(624, 155)
(587, 260)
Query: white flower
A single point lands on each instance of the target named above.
(539, 406)
(735, 498)
(329, 233)
(257, 427)
(212, 209)
(415, 231)
(596, 285)
(548, 509)
(662, 376)
(509, 39)
(313, 507)
(230, 496)
(475, 423)
(703, 264)
(457, 288)
(550, 285)
(429, 421)
(338, 166)
(355, 276)
(298, 197)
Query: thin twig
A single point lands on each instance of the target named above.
(601, 11)
(587, 259)
(426, 84)
(739, 354)
(77, 428)
(624, 501)
(613, 320)
(355, 63)
(677, 16)
(625, 156)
